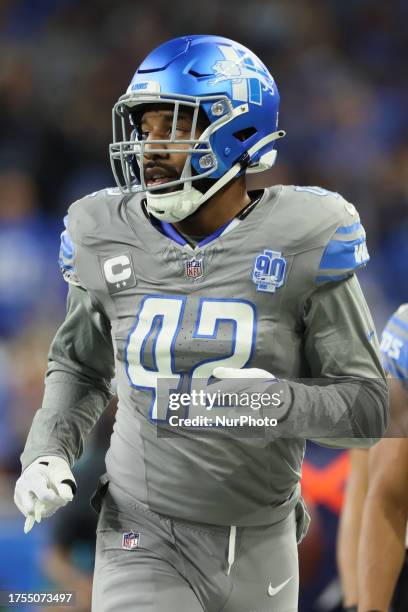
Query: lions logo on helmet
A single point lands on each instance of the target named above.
(248, 80)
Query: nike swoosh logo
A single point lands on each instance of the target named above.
(274, 590)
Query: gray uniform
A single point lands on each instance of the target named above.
(275, 291)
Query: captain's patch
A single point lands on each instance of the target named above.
(119, 273)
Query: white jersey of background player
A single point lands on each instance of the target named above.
(181, 274)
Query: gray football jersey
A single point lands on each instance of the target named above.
(275, 291)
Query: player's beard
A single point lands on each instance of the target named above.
(202, 185)
(170, 176)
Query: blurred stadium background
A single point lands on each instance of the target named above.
(341, 70)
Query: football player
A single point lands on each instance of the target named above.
(180, 274)
(372, 546)
(349, 527)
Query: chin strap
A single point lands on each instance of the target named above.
(177, 205)
(268, 159)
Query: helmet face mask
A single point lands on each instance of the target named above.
(205, 75)
(128, 146)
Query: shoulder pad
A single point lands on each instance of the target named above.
(394, 345)
(344, 238)
(67, 257)
(69, 236)
(324, 223)
(92, 218)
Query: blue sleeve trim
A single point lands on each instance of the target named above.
(399, 323)
(345, 255)
(66, 243)
(350, 229)
(66, 255)
(66, 258)
(332, 277)
(64, 251)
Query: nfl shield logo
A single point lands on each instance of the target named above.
(130, 540)
(194, 268)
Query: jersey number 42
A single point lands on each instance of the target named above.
(160, 321)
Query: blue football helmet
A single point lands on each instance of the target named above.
(240, 101)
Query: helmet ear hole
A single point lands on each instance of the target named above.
(243, 135)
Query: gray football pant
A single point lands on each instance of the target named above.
(191, 567)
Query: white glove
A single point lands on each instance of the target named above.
(279, 410)
(221, 373)
(46, 485)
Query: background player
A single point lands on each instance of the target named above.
(373, 525)
(350, 525)
(265, 294)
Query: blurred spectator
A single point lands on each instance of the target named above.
(29, 284)
(23, 360)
